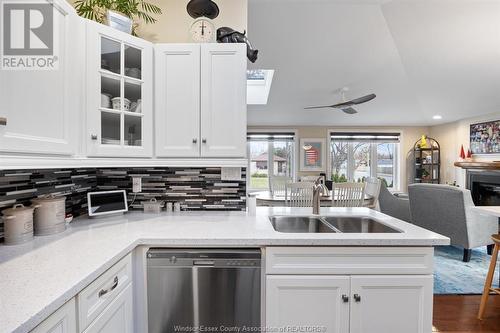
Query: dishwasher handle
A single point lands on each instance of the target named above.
(204, 263)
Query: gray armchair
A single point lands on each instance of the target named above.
(447, 210)
(392, 205)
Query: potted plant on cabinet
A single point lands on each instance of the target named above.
(136, 10)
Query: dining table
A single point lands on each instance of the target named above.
(266, 198)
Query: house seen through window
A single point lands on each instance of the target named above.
(269, 155)
(357, 156)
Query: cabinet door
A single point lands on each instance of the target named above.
(223, 100)
(177, 97)
(391, 304)
(41, 106)
(117, 317)
(61, 321)
(307, 300)
(119, 93)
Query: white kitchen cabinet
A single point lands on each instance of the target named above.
(200, 100)
(177, 97)
(41, 107)
(391, 304)
(61, 321)
(117, 317)
(308, 301)
(119, 94)
(350, 289)
(223, 100)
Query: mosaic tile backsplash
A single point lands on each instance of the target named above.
(193, 188)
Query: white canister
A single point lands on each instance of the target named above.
(170, 206)
(18, 224)
(49, 217)
(177, 207)
(252, 204)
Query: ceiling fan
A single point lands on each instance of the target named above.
(346, 106)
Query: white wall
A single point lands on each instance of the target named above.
(408, 137)
(451, 136)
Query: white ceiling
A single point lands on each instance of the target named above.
(421, 58)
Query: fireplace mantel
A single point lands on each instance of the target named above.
(478, 165)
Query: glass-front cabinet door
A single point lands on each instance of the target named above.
(119, 93)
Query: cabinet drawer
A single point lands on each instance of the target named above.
(349, 260)
(100, 293)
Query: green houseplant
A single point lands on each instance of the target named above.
(134, 9)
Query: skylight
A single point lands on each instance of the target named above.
(259, 85)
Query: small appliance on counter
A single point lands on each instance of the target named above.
(18, 224)
(50, 214)
(107, 202)
(152, 206)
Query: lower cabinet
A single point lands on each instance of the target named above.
(355, 304)
(312, 301)
(117, 317)
(61, 321)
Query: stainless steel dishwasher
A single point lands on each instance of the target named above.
(192, 290)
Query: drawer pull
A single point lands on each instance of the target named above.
(345, 298)
(357, 298)
(103, 292)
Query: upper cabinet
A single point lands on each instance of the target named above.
(119, 94)
(40, 108)
(200, 100)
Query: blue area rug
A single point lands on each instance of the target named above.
(453, 276)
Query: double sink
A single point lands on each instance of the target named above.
(329, 224)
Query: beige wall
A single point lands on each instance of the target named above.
(408, 137)
(451, 136)
(173, 24)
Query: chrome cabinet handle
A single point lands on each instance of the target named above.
(103, 292)
(3, 121)
(93, 136)
(195, 140)
(345, 298)
(357, 298)
(204, 140)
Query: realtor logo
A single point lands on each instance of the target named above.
(28, 36)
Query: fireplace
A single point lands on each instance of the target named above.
(484, 186)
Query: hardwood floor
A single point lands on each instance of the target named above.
(458, 314)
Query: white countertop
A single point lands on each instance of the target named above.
(38, 277)
(488, 210)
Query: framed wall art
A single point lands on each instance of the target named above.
(485, 138)
(312, 154)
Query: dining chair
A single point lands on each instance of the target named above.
(372, 189)
(300, 194)
(278, 185)
(348, 194)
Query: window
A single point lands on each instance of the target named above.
(357, 156)
(269, 149)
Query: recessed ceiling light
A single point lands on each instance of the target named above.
(437, 117)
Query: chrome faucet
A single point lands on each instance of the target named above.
(318, 189)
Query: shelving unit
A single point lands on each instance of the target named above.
(427, 161)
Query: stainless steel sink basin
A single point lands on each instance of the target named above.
(355, 224)
(326, 224)
(300, 224)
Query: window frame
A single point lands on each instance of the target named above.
(373, 154)
(269, 155)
